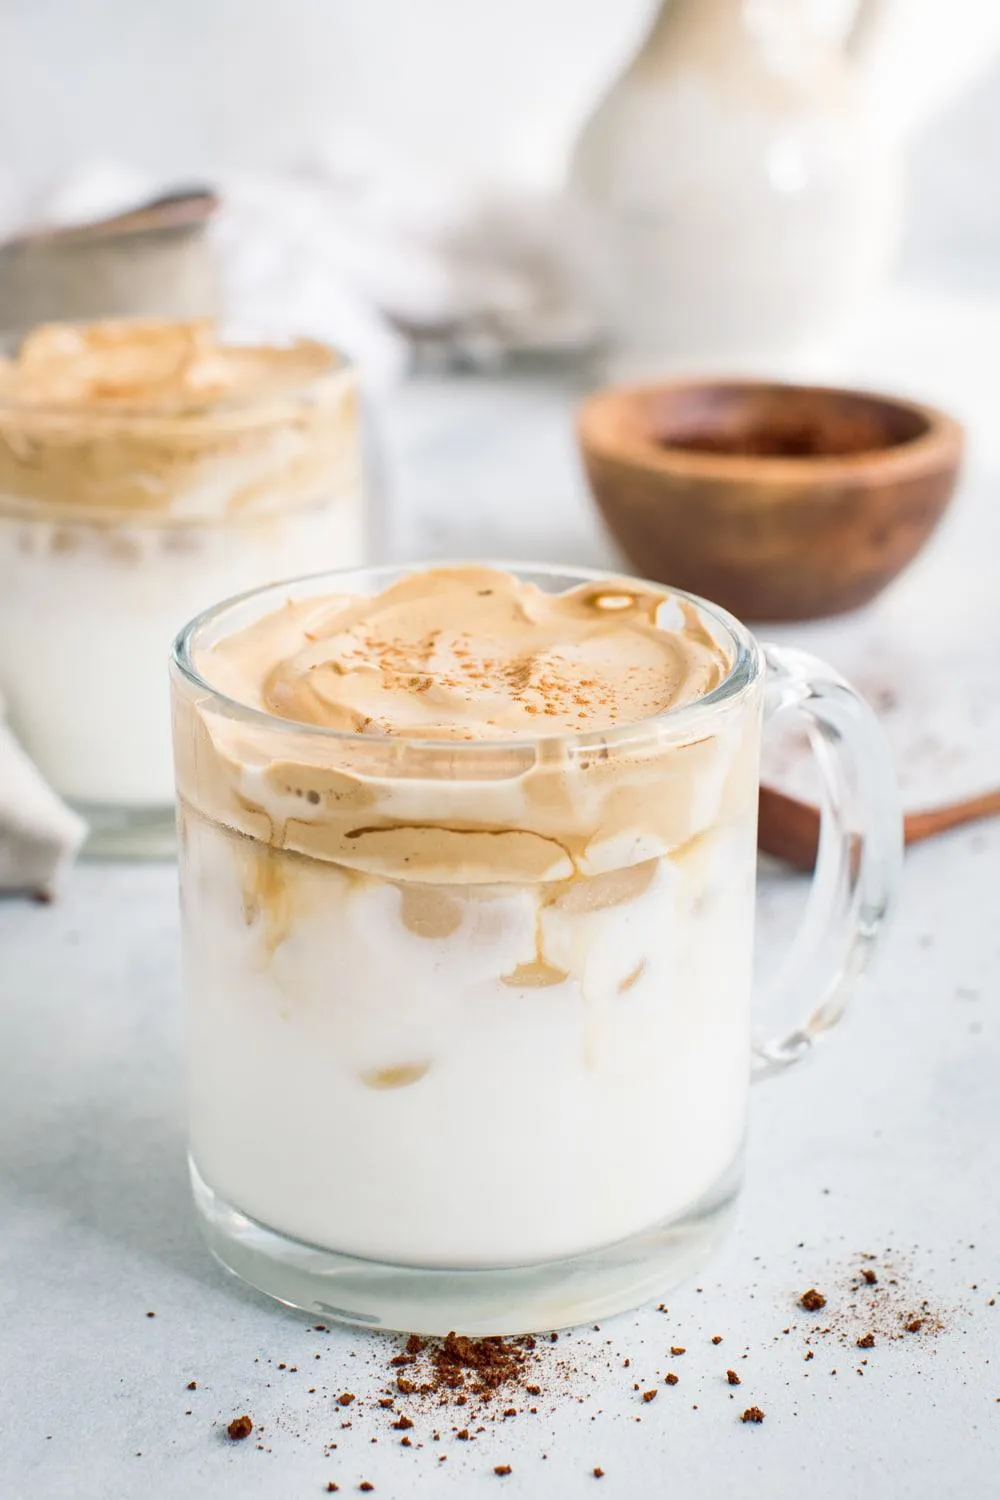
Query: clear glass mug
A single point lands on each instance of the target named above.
(516, 1103)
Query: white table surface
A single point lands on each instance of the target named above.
(886, 1142)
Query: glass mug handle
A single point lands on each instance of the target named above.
(859, 858)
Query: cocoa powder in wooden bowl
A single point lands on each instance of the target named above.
(779, 502)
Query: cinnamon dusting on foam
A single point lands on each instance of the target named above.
(495, 793)
(469, 654)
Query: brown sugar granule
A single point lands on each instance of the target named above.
(406, 1386)
(366, 1486)
(812, 1300)
(240, 1427)
(415, 1344)
(403, 1424)
(869, 1276)
(345, 1398)
(463, 1435)
(914, 1325)
(716, 1338)
(733, 1378)
(867, 1341)
(677, 1349)
(598, 1473)
(752, 1414)
(331, 1488)
(533, 1390)
(192, 1385)
(150, 1315)
(671, 1378)
(501, 1469)
(386, 1403)
(649, 1395)
(405, 1443)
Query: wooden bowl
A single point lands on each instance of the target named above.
(780, 502)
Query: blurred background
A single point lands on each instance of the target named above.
(343, 132)
(494, 90)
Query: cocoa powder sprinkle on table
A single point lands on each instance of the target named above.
(677, 1349)
(240, 1427)
(345, 1399)
(649, 1395)
(733, 1378)
(598, 1473)
(501, 1469)
(869, 1276)
(671, 1378)
(812, 1300)
(867, 1341)
(752, 1414)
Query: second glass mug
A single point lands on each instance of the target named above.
(517, 1103)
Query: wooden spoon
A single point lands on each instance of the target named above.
(789, 829)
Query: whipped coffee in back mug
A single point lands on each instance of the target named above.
(467, 862)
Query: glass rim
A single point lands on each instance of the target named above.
(746, 667)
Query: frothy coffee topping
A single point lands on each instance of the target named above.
(150, 365)
(462, 691)
(162, 419)
(472, 653)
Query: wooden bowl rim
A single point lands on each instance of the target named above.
(939, 446)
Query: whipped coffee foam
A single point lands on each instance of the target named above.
(150, 365)
(449, 657)
(164, 421)
(472, 653)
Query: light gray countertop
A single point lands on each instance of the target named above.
(885, 1143)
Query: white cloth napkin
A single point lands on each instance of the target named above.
(39, 835)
